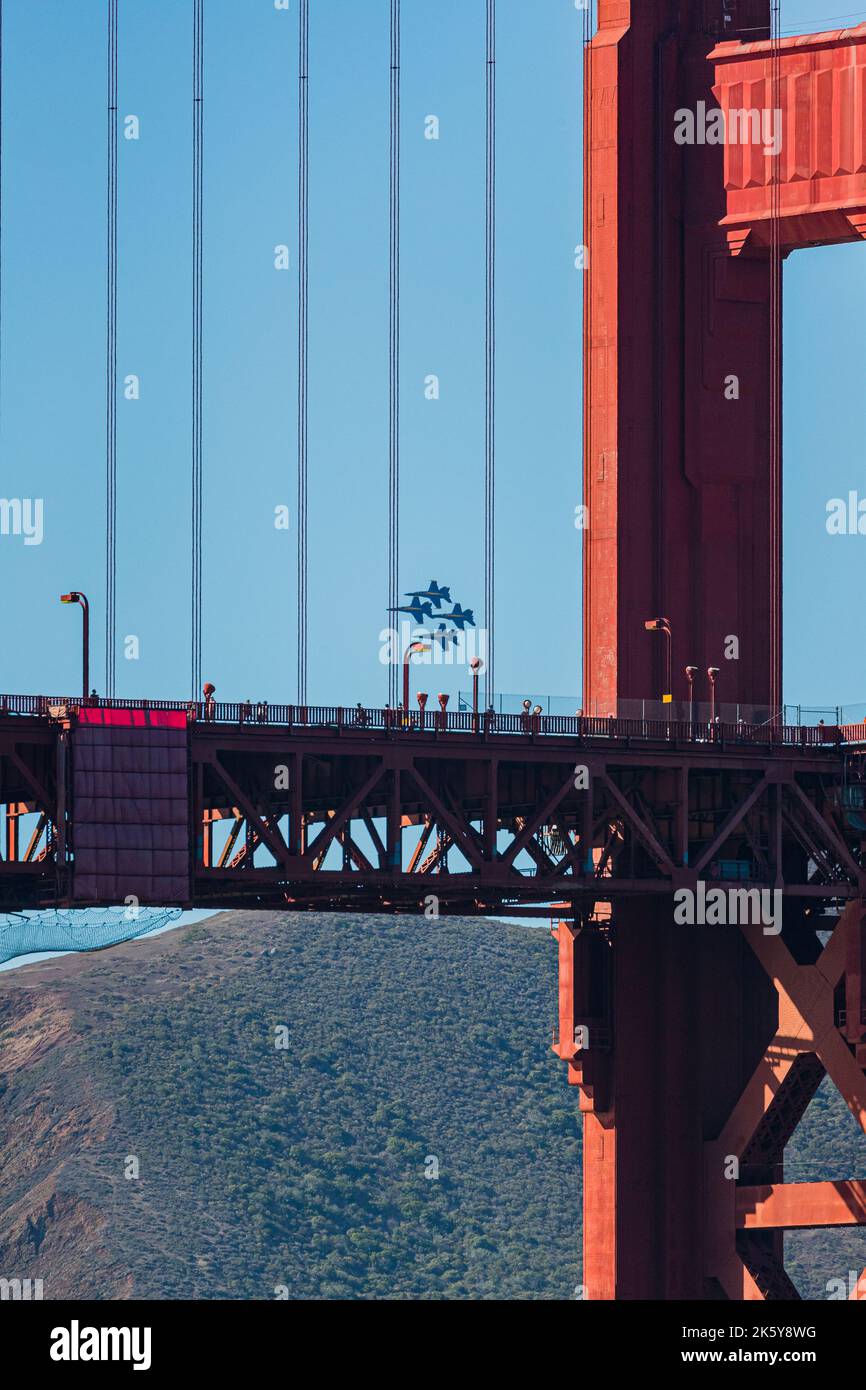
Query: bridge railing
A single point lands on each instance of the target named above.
(431, 721)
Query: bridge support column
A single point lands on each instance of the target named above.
(677, 476)
(690, 1014)
(713, 1043)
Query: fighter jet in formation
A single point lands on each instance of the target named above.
(461, 616)
(433, 593)
(416, 609)
(421, 607)
(445, 635)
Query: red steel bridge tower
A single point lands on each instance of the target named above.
(713, 1038)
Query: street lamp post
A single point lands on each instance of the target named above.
(691, 672)
(416, 646)
(76, 597)
(443, 710)
(421, 697)
(663, 625)
(476, 666)
(712, 672)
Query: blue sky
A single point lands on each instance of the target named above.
(53, 330)
(824, 352)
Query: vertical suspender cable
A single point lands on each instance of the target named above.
(490, 357)
(587, 341)
(775, 376)
(1, 193)
(197, 264)
(303, 337)
(394, 345)
(111, 362)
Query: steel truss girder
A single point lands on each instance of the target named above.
(807, 1045)
(31, 760)
(638, 827)
(508, 822)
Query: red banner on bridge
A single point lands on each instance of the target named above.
(132, 718)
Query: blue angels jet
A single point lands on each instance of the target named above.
(434, 594)
(460, 617)
(416, 609)
(444, 634)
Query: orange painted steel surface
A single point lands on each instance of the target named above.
(820, 92)
(714, 1038)
(802, 1204)
(677, 476)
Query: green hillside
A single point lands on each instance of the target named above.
(305, 1167)
(414, 1138)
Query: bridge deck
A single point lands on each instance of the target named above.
(362, 809)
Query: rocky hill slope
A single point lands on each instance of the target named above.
(268, 1106)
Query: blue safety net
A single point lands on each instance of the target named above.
(81, 929)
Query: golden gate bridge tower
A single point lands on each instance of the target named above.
(713, 149)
